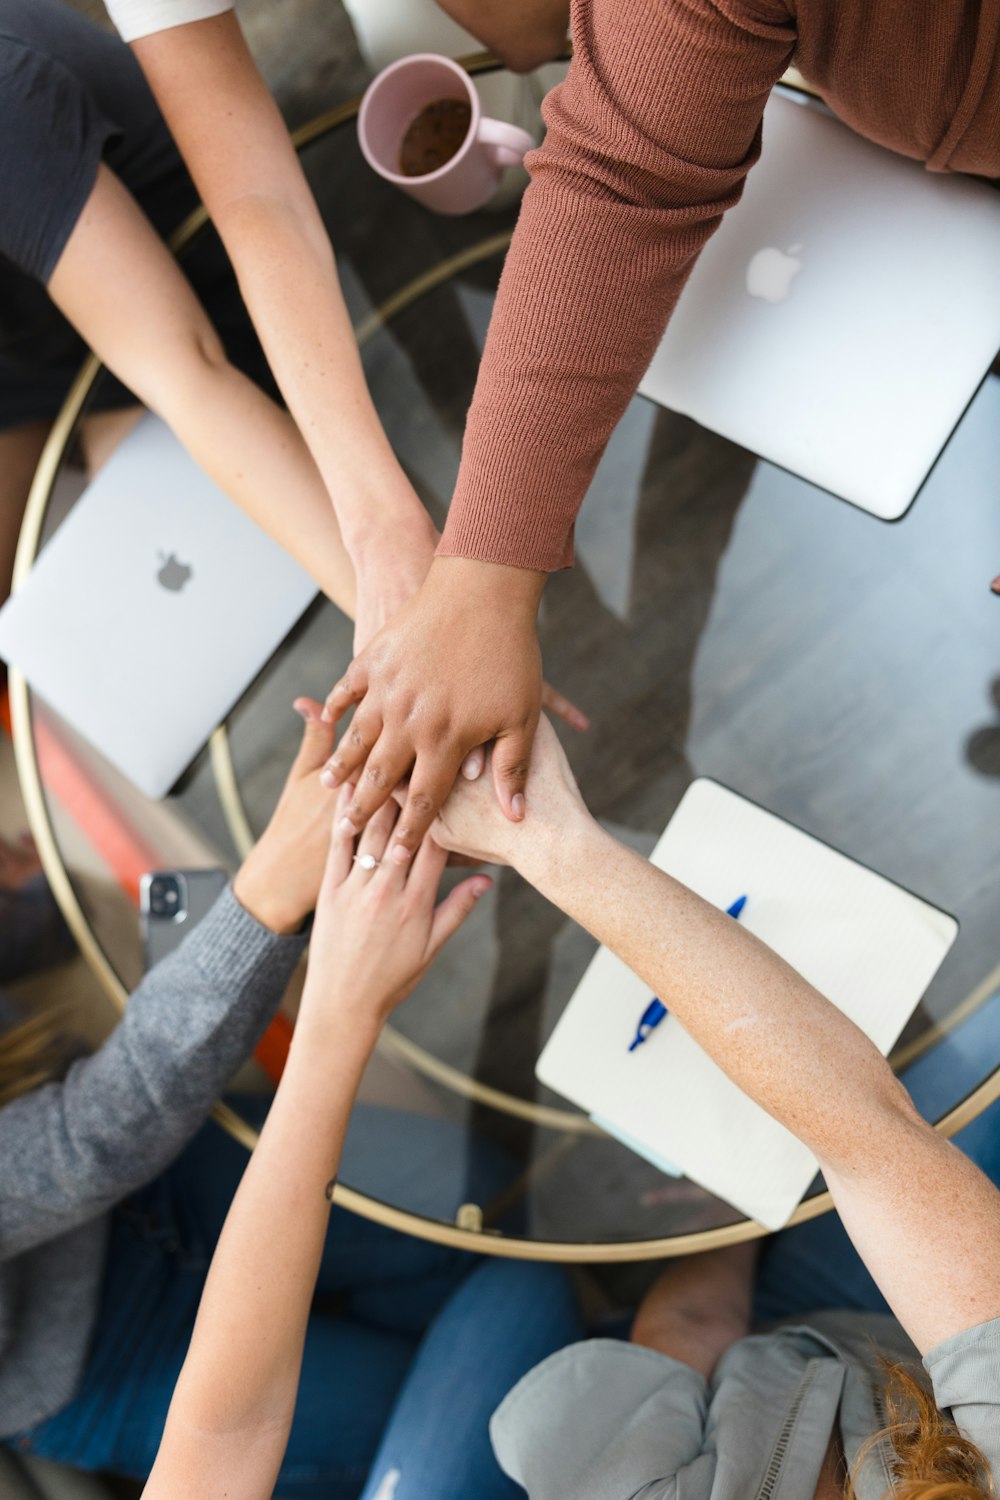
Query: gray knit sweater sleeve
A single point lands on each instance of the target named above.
(72, 1149)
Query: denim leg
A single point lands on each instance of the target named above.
(814, 1265)
(504, 1319)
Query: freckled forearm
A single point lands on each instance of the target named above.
(782, 1042)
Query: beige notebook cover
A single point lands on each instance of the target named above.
(867, 945)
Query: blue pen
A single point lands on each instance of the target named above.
(656, 1010)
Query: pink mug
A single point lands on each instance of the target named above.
(392, 102)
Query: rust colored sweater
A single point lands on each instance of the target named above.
(649, 140)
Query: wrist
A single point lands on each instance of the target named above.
(553, 847)
(259, 888)
(515, 592)
(387, 522)
(328, 1018)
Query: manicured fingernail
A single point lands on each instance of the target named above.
(481, 888)
(400, 854)
(302, 711)
(581, 721)
(326, 715)
(470, 768)
(329, 778)
(517, 805)
(346, 826)
(995, 585)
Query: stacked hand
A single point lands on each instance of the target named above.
(459, 666)
(377, 928)
(279, 880)
(472, 824)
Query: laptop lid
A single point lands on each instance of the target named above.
(844, 314)
(152, 608)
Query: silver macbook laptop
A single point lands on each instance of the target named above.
(152, 608)
(843, 316)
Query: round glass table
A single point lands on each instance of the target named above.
(723, 619)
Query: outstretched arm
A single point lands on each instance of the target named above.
(906, 1195)
(240, 155)
(375, 935)
(649, 141)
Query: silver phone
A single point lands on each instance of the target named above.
(171, 903)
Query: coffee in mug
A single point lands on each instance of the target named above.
(434, 136)
(421, 127)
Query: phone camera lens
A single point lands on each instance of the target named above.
(166, 896)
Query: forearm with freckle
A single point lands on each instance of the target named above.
(907, 1197)
(289, 282)
(776, 1037)
(236, 145)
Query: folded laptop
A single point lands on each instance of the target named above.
(843, 316)
(152, 608)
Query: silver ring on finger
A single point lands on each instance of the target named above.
(367, 861)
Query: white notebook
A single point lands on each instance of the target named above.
(869, 946)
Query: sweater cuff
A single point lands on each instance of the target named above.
(232, 948)
(478, 531)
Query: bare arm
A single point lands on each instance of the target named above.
(119, 286)
(238, 150)
(524, 34)
(907, 1196)
(375, 935)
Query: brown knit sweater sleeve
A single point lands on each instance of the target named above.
(649, 140)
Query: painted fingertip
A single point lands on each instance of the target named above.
(995, 585)
(327, 714)
(517, 806)
(329, 779)
(581, 722)
(472, 767)
(481, 887)
(400, 854)
(346, 826)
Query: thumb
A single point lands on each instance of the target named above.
(318, 736)
(454, 909)
(511, 756)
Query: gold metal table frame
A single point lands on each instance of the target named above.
(465, 1234)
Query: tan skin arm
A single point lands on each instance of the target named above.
(234, 141)
(373, 938)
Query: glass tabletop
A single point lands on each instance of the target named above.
(723, 619)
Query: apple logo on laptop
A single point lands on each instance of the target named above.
(173, 574)
(771, 272)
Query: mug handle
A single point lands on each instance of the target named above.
(507, 144)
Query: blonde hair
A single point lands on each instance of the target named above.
(31, 1053)
(933, 1461)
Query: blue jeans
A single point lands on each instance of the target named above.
(814, 1265)
(409, 1352)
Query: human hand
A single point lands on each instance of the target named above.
(279, 880)
(471, 823)
(377, 930)
(391, 575)
(458, 666)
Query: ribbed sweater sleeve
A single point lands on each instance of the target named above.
(648, 142)
(72, 1149)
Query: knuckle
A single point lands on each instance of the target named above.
(375, 776)
(421, 805)
(516, 771)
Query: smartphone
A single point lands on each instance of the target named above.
(171, 902)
